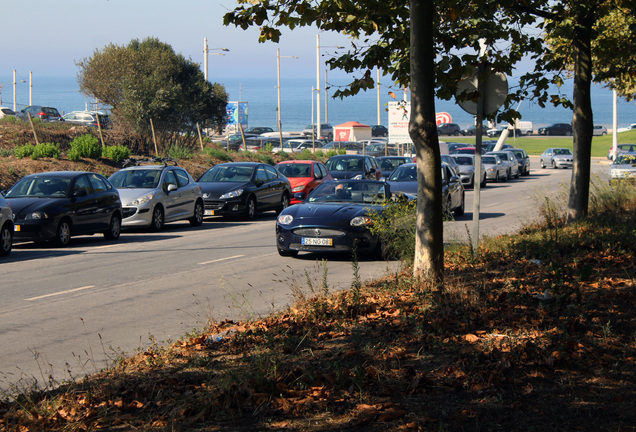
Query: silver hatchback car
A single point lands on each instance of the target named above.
(152, 195)
(6, 227)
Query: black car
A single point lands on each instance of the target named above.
(242, 189)
(448, 129)
(379, 131)
(332, 218)
(388, 164)
(472, 130)
(40, 112)
(258, 130)
(356, 167)
(556, 129)
(60, 204)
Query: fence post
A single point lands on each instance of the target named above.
(200, 139)
(154, 138)
(99, 128)
(35, 135)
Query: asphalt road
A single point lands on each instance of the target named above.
(69, 312)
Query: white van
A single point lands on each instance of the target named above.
(524, 127)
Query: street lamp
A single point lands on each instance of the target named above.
(318, 66)
(206, 53)
(280, 123)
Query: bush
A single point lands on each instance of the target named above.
(45, 150)
(217, 153)
(24, 151)
(179, 152)
(84, 146)
(117, 153)
(396, 229)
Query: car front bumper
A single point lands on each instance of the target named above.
(325, 239)
(234, 207)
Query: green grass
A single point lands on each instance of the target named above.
(535, 145)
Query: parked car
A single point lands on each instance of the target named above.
(472, 130)
(379, 148)
(557, 158)
(452, 146)
(490, 146)
(157, 191)
(466, 170)
(235, 141)
(556, 129)
(342, 145)
(389, 163)
(296, 145)
(303, 175)
(40, 112)
(404, 180)
(467, 150)
(243, 189)
(6, 112)
(356, 167)
(6, 227)
(87, 118)
(523, 159)
(259, 142)
(599, 130)
(449, 160)
(448, 129)
(54, 206)
(326, 131)
(258, 130)
(624, 168)
(495, 168)
(620, 149)
(333, 218)
(379, 131)
(509, 158)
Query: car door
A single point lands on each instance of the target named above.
(276, 185)
(264, 195)
(186, 194)
(84, 206)
(105, 204)
(171, 199)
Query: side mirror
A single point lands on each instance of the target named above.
(171, 187)
(300, 196)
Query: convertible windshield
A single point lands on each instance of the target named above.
(225, 173)
(136, 179)
(404, 173)
(354, 191)
(40, 187)
(625, 159)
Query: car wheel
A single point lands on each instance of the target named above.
(518, 173)
(197, 218)
(459, 211)
(541, 164)
(497, 177)
(157, 219)
(250, 208)
(284, 203)
(456, 133)
(6, 240)
(554, 165)
(483, 183)
(114, 229)
(63, 233)
(286, 253)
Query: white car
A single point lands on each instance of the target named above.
(6, 227)
(624, 168)
(6, 112)
(599, 130)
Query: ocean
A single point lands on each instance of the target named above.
(298, 101)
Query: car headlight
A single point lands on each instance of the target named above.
(298, 188)
(359, 221)
(233, 194)
(141, 200)
(36, 216)
(285, 219)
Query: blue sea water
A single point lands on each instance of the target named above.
(298, 101)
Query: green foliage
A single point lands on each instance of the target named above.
(265, 158)
(84, 146)
(395, 228)
(217, 153)
(44, 150)
(179, 152)
(24, 151)
(117, 153)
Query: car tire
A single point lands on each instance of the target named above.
(459, 211)
(554, 165)
(6, 240)
(63, 233)
(286, 253)
(156, 224)
(483, 183)
(472, 182)
(197, 217)
(284, 203)
(497, 177)
(250, 208)
(541, 164)
(114, 228)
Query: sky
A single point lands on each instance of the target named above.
(48, 38)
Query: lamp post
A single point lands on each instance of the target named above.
(206, 53)
(280, 123)
(318, 66)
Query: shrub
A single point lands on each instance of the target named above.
(179, 152)
(396, 229)
(117, 153)
(217, 153)
(24, 151)
(45, 150)
(85, 146)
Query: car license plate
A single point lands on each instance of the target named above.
(16, 228)
(209, 213)
(309, 241)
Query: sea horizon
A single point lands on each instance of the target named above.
(298, 102)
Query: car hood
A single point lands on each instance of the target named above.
(409, 187)
(328, 213)
(214, 190)
(127, 194)
(299, 181)
(564, 157)
(21, 206)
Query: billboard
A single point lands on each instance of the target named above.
(236, 114)
(399, 116)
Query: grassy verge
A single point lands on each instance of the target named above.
(534, 331)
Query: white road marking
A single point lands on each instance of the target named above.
(60, 293)
(221, 259)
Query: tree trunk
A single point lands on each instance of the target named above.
(582, 120)
(429, 240)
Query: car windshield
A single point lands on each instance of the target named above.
(625, 159)
(390, 164)
(404, 173)
(562, 152)
(465, 151)
(136, 179)
(355, 191)
(345, 164)
(463, 160)
(40, 187)
(294, 169)
(489, 160)
(227, 173)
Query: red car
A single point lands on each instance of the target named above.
(304, 175)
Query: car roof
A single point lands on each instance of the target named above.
(297, 161)
(61, 174)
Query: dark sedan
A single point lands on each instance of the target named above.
(57, 205)
(242, 189)
(556, 129)
(334, 217)
(356, 167)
